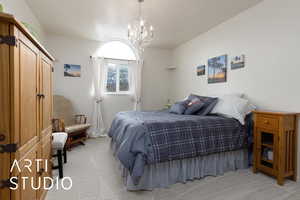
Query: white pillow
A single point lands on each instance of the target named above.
(234, 107)
(250, 108)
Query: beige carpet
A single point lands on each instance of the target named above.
(96, 176)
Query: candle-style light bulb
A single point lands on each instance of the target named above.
(128, 30)
(151, 31)
(142, 22)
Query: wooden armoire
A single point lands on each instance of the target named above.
(25, 109)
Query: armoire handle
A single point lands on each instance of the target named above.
(40, 95)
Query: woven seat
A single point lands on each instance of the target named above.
(76, 127)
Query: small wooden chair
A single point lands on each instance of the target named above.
(72, 123)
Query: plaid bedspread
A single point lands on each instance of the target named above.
(190, 137)
(142, 138)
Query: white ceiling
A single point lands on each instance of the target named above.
(175, 21)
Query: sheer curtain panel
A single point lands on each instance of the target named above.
(137, 84)
(98, 126)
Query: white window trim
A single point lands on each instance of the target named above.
(125, 93)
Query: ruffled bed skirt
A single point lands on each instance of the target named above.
(180, 171)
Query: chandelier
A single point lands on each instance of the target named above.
(140, 33)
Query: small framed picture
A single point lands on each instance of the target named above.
(238, 62)
(200, 70)
(72, 70)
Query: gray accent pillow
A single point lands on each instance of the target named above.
(194, 106)
(179, 107)
(209, 107)
(209, 104)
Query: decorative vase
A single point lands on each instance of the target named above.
(1, 8)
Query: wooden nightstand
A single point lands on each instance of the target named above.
(275, 144)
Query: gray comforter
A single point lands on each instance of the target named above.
(142, 138)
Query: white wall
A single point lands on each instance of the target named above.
(155, 84)
(68, 50)
(268, 34)
(23, 13)
(73, 51)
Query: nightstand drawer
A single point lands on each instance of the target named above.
(267, 123)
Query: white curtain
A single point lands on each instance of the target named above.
(98, 127)
(137, 84)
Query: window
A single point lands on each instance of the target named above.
(116, 50)
(118, 60)
(117, 77)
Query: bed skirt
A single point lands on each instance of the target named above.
(163, 175)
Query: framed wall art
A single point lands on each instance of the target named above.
(217, 69)
(238, 62)
(72, 70)
(200, 70)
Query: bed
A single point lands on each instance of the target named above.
(158, 149)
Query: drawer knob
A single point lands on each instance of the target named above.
(2, 137)
(266, 122)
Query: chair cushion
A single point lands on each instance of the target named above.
(59, 140)
(77, 127)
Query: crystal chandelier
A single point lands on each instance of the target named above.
(140, 33)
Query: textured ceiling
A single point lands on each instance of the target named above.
(175, 21)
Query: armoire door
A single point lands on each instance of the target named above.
(45, 119)
(29, 65)
(46, 92)
(5, 100)
(26, 112)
